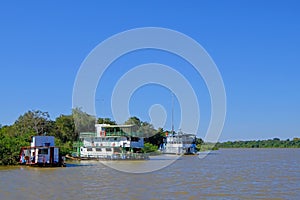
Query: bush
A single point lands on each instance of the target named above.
(148, 147)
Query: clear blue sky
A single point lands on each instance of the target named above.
(255, 44)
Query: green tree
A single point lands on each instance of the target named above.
(34, 120)
(65, 128)
(106, 121)
(83, 121)
(157, 138)
(134, 121)
(147, 129)
(148, 148)
(10, 146)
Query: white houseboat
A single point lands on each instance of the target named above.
(179, 143)
(112, 142)
(42, 152)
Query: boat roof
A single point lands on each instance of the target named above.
(181, 135)
(38, 147)
(116, 126)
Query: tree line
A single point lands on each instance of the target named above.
(270, 143)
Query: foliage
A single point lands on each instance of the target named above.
(134, 121)
(157, 138)
(148, 148)
(142, 127)
(199, 141)
(106, 121)
(34, 120)
(64, 148)
(271, 143)
(206, 146)
(65, 128)
(10, 146)
(147, 129)
(83, 121)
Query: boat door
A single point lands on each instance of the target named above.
(51, 160)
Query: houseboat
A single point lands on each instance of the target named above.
(110, 142)
(42, 152)
(179, 143)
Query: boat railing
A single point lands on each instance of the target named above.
(122, 133)
(87, 134)
(119, 156)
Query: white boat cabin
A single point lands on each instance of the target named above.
(42, 150)
(179, 144)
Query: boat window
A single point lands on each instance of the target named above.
(43, 151)
(135, 139)
(89, 149)
(98, 149)
(118, 150)
(108, 149)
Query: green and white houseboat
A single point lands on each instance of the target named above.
(110, 142)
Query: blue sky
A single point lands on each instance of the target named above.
(255, 44)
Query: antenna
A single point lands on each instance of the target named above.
(172, 113)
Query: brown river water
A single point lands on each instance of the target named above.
(222, 174)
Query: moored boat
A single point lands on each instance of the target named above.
(110, 142)
(42, 152)
(179, 143)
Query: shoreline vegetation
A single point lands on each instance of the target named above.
(66, 129)
(270, 143)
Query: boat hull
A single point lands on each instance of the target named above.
(44, 164)
(131, 156)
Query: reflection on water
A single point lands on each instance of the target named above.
(226, 174)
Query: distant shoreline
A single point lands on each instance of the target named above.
(238, 148)
(270, 143)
